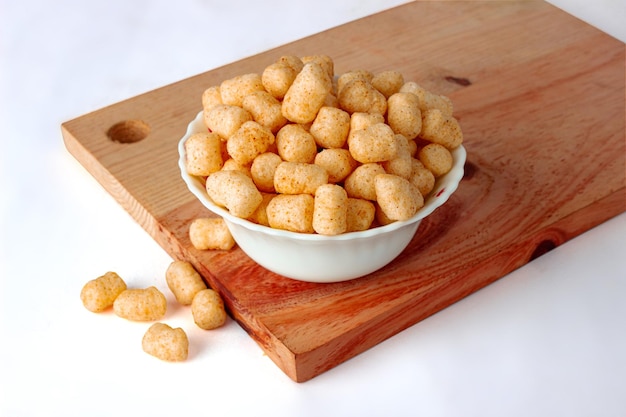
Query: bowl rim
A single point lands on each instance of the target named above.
(444, 187)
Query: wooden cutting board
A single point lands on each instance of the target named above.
(540, 97)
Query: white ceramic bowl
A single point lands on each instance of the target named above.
(317, 258)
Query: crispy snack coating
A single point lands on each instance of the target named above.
(359, 121)
(330, 210)
(263, 169)
(347, 77)
(235, 89)
(338, 163)
(397, 197)
(323, 61)
(376, 143)
(291, 212)
(439, 128)
(421, 177)
(235, 191)
(360, 184)
(299, 178)
(330, 127)
(402, 164)
(388, 82)
(166, 343)
(207, 309)
(436, 158)
(292, 61)
(427, 99)
(225, 120)
(404, 115)
(184, 281)
(278, 77)
(203, 154)
(296, 128)
(210, 234)
(211, 98)
(99, 294)
(265, 110)
(360, 214)
(295, 144)
(249, 141)
(358, 95)
(260, 214)
(145, 304)
(232, 165)
(307, 94)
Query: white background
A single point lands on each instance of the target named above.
(546, 340)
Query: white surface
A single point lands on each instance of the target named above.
(313, 257)
(547, 340)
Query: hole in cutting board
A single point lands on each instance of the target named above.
(128, 131)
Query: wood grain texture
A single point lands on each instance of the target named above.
(540, 97)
